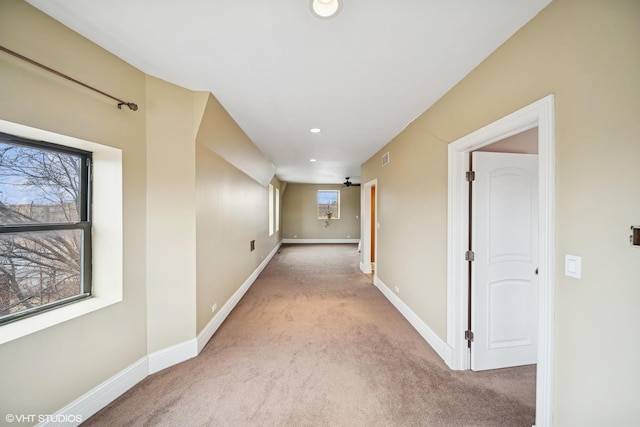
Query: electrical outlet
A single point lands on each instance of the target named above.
(214, 307)
(397, 290)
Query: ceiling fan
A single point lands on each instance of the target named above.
(348, 183)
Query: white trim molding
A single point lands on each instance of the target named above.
(167, 357)
(366, 205)
(540, 114)
(93, 401)
(442, 348)
(365, 267)
(316, 241)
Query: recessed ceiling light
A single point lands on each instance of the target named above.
(312, 160)
(325, 8)
(315, 130)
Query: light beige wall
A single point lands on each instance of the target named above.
(412, 213)
(171, 215)
(300, 214)
(232, 210)
(161, 217)
(587, 53)
(43, 372)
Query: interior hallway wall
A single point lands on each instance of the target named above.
(232, 209)
(587, 53)
(171, 215)
(44, 371)
(160, 251)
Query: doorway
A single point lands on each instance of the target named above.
(372, 237)
(369, 246)
(540, 114)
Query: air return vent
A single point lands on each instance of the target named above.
(385, 159)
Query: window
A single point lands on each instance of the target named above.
(277, 209)
(328, 204)
(107, 238)
(45, 227)
(270, 210)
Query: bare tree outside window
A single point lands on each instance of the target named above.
(44, 226)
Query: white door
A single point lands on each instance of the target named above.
(504, 285)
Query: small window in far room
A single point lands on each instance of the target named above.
(328, 204)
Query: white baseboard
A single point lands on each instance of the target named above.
(91, 402)
(207, 332)
(99, 397)
(173, 355)
(441, 347)
(314, 241)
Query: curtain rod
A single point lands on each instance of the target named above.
(131, 105)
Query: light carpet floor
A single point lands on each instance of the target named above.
(314, 343)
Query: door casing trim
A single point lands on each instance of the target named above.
(540, 114)
(365, 215)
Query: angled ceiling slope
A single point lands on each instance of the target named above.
(219, 134)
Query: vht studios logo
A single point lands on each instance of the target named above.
(41, 418)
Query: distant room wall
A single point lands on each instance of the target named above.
(300, 218)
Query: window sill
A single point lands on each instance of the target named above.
(38, 322)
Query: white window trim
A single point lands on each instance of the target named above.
(271, 210)
(277, 209)
(107, 262)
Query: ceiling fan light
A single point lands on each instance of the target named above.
(325, 8)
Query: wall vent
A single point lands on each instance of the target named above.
(385, 159)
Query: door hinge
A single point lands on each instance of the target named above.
(471, 176)
(469, 256)
(468, 336)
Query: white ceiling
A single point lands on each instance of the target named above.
(361, 76)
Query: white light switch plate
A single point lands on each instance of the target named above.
(572, 266)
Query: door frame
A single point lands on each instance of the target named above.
(365, 214)
(540, 114)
